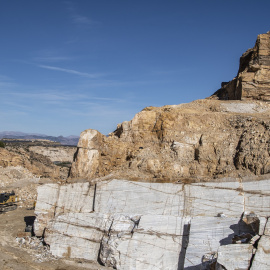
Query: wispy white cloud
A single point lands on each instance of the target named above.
(6, 83)
(103, 99)
(78, 18)
(48, 95)
(86, 110)
(104, 83)
(53, 58)
(4, 78)
(17, 105)
(71, 71)
(51, 55)
(55, 96)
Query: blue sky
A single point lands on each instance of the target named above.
(67, 66)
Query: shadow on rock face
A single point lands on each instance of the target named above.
(29, 224)
(242, 232)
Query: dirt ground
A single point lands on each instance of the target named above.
(18, 257)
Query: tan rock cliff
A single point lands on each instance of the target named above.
(198, 141)
(253, 78)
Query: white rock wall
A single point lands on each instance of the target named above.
(137, 225)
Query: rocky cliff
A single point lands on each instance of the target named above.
(178, 187)
(202, 140)
(252, 81)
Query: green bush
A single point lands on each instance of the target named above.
(2, 144)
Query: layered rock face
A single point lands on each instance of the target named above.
(252, 81)
(137, 225)
(201, 140)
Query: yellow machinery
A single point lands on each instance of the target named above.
(7, 201)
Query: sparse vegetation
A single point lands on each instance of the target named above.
(2, 144)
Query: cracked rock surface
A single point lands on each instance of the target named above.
(137, 225)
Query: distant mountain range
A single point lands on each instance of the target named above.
(70, 140)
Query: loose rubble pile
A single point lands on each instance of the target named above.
(40, 252)
(22, 182)
(16, 176)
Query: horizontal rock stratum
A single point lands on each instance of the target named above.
(177, 187)
(138, 225)
(253, 79)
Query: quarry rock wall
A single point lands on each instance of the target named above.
(137, 225)
(177, 187)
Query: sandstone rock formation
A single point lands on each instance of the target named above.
(253, 78)
(201, 140)
(204, 139)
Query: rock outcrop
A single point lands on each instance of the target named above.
(178, 187)
(253, 79)
(204, 139)
(201, 140)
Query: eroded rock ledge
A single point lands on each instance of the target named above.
(253, 79)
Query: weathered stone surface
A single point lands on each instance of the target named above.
(36, 163)
(205, 237)
(139, 225)
(236, 256)
(253, 79)
(62, 154)
(202, 140)
(55, 200)
(262, 256)
(76, 235)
